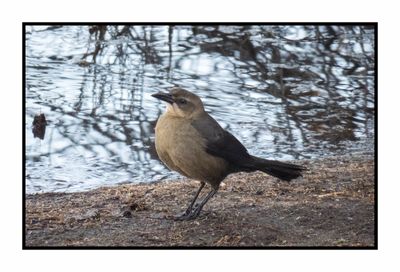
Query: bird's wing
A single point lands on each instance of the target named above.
(221, 143)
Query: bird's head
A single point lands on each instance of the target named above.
(181, 103)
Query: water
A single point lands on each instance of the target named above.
(286, 92)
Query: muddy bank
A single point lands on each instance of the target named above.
(332, 205)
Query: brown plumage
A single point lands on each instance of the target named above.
(191, 142)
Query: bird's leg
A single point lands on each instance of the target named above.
(195, 213)
(189, 209)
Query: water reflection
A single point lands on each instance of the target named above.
(285, 91)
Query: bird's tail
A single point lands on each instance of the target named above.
(281, 170)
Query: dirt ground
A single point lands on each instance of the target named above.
(332, 205)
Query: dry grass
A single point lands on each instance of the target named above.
(332, 205)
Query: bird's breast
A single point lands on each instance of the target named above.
(182, 148)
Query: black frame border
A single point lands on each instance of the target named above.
(25, 247)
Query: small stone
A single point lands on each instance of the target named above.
(259, 192)
(127, 214)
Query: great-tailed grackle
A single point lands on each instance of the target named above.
(191, 142)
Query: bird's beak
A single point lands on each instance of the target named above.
(164, 96)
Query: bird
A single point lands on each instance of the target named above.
(191, 142)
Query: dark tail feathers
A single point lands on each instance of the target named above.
(281, 170)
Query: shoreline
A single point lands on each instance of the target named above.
(332, 205)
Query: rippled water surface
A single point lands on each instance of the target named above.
(287, 92)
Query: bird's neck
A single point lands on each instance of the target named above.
(174, 111)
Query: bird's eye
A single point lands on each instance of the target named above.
(182, 101)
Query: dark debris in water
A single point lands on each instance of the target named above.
(39, 126)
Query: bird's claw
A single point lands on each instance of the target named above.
(188, 215)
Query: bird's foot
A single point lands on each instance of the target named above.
(186, 217)
(189, 214)
(182, 217)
